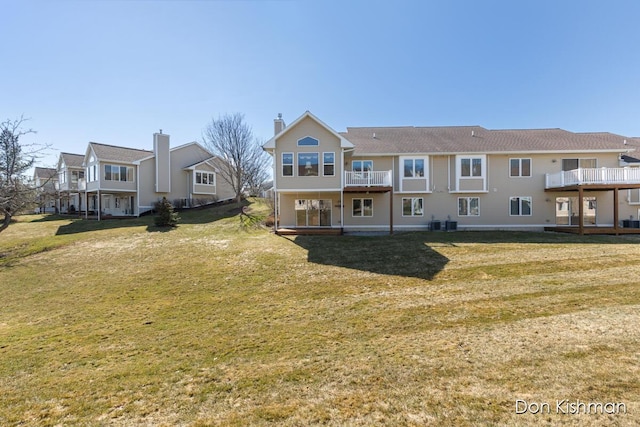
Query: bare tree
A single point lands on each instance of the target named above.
(245, 162)
(16, 191)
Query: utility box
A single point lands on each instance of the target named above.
(434, 225)
(451, 225)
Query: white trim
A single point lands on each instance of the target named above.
(414, 192)
(293, 164)
(334, 163)
(362, 199)
(469, 192)
(529, 152)
(115, 190)
(298, 163)
(520, 206)
(468, 207)
(520, 159)
(412, 215)
(306, 190)
(305, 137)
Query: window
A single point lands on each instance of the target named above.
(471, 167)
(92, 173)
(362, 207)
(413, 168)
(362, 165)
(313, 213)
(62, 177)
(468, 206)
(118, 173)
(520, 206)
(308, 141)
(328, 164)
(519, 167)
(205, 178)
(76, 175)
(571, 164)
(287, 164)
(307, 164)
(412, 206)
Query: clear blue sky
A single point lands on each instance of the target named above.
(117, 71)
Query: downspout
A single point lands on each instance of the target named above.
(449, 173)
(393, 175)
(137, 213)
(342, 172)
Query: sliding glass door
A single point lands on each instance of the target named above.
(313, 213)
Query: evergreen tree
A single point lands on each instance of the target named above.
(165, 215)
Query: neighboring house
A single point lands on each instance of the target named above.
(119, 181)
(467, 177)
(45, 181)
(70, 176)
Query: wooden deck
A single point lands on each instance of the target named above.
(594, 230)
(309, 231)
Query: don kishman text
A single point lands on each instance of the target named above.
(570, 407)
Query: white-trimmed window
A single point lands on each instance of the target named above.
(62, 177)
(520, 168)
(520, 206)
(362, 207)
(205, 178)
(118, 173)
(571, 164)
(633, 196)
(362, 166)
(468, 206)
(92, 173)
(308, 164)
(413, 167)
(287, 164)
(471, 166)
(308, 141)
(329, 164)
(412, 206)
(76, 175)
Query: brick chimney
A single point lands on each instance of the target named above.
(278, 124)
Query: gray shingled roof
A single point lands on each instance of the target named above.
(118, 154)
(72, 160)
(476, 139)
(45, 173)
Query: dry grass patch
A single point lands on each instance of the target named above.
(219, 322)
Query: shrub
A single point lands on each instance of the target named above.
(165, 216)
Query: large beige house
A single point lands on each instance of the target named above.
(467, 177)
(115, 181)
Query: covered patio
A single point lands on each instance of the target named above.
(581, 228)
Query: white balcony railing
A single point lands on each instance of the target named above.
(367, 179)
(593, 176)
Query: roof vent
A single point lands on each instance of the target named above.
(473, 133)
(374, 135)
(624, 142)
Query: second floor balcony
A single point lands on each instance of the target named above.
(368, 180)
(593, 176)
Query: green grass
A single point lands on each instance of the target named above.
(220, 322)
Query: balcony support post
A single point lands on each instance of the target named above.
(580, 211)
(615, 210)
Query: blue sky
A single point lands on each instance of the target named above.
(117, 71)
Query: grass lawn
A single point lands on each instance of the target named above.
(220, 322)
